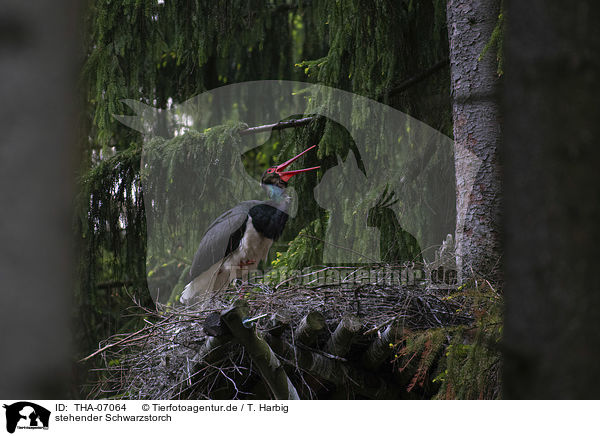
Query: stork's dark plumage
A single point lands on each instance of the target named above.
(242, 236)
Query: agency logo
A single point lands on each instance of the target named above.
(386, 182)
(26, 415)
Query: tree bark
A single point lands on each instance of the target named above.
(476, 137)
(340, 342)
(552, 188)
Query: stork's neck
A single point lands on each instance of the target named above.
(278, 197)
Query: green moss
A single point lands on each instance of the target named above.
(461, 362)
(496, 41)
(470, 368)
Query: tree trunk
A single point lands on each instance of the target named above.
(267, 363)
(552, 188)
(476, 137)
(37, 119)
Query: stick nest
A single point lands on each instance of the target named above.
(173, 358)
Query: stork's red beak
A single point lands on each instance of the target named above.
(287, 175)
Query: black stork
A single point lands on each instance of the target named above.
(242, 236)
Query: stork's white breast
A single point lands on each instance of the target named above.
(253, 247)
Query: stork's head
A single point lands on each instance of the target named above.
(278, 178)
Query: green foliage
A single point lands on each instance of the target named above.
(157, 53)
(373, 47)
(471, 365)
(417, 356)
(164, 53)
(305, 250)
(112, 231)
(461, 362)
(179, 177)
(150, 52)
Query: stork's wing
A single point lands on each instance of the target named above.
(222, 237)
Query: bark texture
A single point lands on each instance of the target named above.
(552, 192)
(340, 342)
(37, 122)
(267, 363)
(476, 137)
